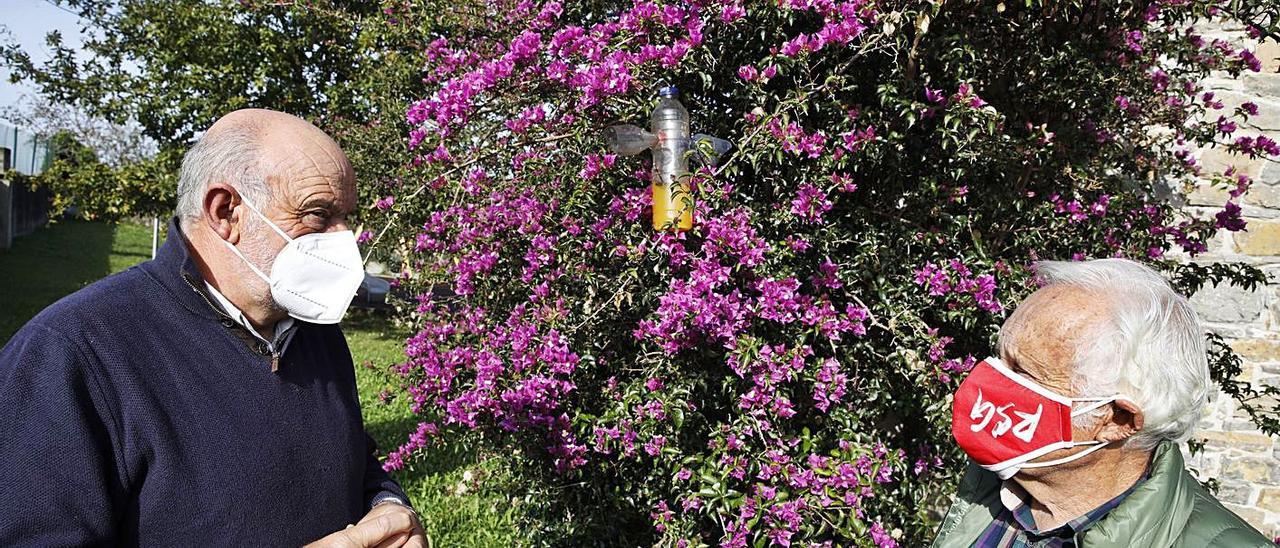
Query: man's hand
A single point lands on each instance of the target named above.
(387, 525)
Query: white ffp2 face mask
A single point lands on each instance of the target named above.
(315, 275)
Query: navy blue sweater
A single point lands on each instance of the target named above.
(135, 412)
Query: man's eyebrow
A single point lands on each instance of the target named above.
(317, 202)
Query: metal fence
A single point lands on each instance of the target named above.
(22, 209)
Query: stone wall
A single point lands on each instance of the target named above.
(1245, 462)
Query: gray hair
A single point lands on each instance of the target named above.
(230, 155)
(1151, 350)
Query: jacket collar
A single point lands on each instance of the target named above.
(1156, 511)
(1153, 514)
(175, 269)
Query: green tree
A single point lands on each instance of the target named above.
(173, 67)
(88, 188)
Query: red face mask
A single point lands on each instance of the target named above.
(1002, 420)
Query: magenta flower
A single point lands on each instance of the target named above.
(595, 164)
(732, 12)
(810, 204)
(1133, 40)
(1229, 218)
(881, 538)
(1250, 60)
(934, 96)
(953, 280)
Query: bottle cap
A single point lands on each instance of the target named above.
(668, 91)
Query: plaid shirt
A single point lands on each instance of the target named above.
(1016, 528)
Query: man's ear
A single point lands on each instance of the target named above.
(220, 201)
(1125, 420)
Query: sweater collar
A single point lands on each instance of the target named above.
(175, 268)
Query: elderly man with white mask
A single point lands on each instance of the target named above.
(206, 398)
(1073, 431)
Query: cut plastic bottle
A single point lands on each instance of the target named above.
(629, 140)
(672, 200)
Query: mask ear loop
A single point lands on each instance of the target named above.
(1097, 402)
(1096, 446)
(247, 262)
(264, 218)
(273, 226)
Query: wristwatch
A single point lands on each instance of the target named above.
(397, 500)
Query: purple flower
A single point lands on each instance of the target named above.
(595, 164)
(934, 96)
(1250, 60)
(1225, 126)
(831, 385)
(810, 203)
(385, 203)
(1229, 218)
(826, 276)
(881, 538)
(655, 445)
(732, 12)
(955, 279)
(844, 182)
(779, 300)
(1099, 207)
(1133, 40)
(1160, 79)
(795, 46)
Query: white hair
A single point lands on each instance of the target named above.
(1150, 350)
(230, 155)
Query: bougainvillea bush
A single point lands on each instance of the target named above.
(781, 373)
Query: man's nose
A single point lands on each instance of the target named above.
(338, 226)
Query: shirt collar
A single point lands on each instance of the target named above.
(283, 330)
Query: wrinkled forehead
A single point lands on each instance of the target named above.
(1050, 326)
(303, 163)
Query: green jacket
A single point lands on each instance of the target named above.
(1169, 509)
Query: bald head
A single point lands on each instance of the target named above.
(1042, 336)
(254, 150)
(254, 167)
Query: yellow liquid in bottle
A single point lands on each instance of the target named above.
(672, 206)
(672, 201)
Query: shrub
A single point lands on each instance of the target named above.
(782, 372)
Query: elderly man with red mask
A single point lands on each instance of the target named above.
(1073, 431)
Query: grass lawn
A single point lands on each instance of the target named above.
(56, 260)
(59, 259)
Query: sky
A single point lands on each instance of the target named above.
(27, 22)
